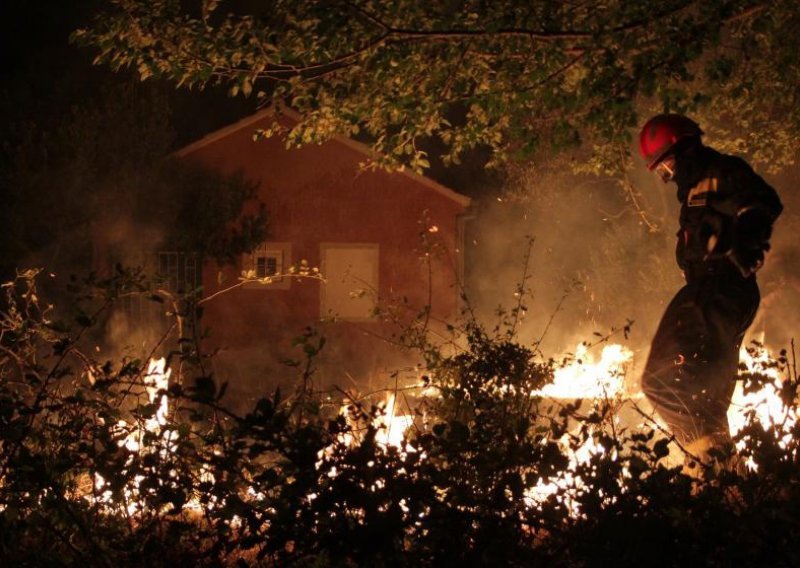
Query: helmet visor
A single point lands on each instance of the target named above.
(665, 169)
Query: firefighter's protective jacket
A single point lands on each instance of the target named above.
(726, 209)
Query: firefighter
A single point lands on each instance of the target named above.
(726, 218)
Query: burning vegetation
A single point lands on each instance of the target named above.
(496, 451)
(493, 455)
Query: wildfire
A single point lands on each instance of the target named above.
(156, 379)
(765, 404)
(566, 484)
(392, 427)
(586, 378)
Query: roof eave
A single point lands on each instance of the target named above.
(368, 152)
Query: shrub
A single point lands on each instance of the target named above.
(92, 473)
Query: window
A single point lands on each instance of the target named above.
(351, 281)
(267, 264)
(268, 260)
(181, 271)
(140, 320)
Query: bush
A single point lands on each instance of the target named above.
(93, 473)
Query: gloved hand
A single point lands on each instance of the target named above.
(749, 260)
(751, 240)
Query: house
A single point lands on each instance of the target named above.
(384, 243)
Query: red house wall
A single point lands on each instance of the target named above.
(314, 195)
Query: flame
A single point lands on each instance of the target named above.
(765, 404)
(586, 378)
(583, 377)
(566, 485)
(392, 427)
(155, 380)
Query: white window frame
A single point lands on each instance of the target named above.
(281, 253)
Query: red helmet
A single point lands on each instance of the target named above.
(661, 133)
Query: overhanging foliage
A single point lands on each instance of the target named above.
(511, 76)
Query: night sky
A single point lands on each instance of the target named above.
(44, 75)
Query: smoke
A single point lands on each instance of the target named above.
(596, 264)
(779, 280)
(587, 246)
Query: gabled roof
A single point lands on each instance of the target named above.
(368, 152)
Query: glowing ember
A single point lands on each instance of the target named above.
(587, 378)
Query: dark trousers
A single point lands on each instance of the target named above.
(691, 372)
